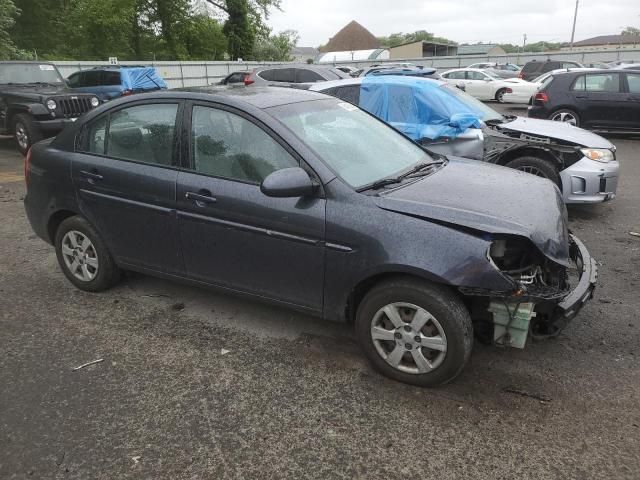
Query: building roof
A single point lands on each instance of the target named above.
(608, 40)
(351, 55)
(479, 49)
(428, 42)
(352, 37)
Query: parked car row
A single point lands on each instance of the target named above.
(36, 102)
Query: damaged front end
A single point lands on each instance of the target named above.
(545, 296)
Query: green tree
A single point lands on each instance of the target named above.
(396, 39)
(8, 12)
(275, 48)
(41, 26)
(203, 38)
(631, 31)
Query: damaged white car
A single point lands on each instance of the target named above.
(448, 121)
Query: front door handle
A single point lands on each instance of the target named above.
(582, 96)
(92, 177)
(202, 198)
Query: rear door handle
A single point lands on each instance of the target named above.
(582, 96)
(202, 198)
(91, 176)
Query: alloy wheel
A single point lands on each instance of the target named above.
(565, 117)
(80, 255)
(408, 338)
(22, 137)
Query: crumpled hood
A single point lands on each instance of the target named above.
(491, 199)
(558, 131)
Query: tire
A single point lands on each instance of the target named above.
(409, 297)
(536, 166)
(567, 116)
(95, 269)
(499, 95)
(25, 132)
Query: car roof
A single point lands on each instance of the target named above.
(259, 97)
(321, 86)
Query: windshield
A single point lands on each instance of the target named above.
(29, 73)
(359, 148)
(484, 112)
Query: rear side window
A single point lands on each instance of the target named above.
(307, 76)
(456, 75)
(532, 67)
(604, 83)
(549, 66)
(91, 78)
(633, 79)
(144, 133)
(111, 78)
(284, 75)
(237, 77)
(267, 75)
(349, 94)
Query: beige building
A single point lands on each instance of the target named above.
(606, 43)
(487, 49)
(422, 49)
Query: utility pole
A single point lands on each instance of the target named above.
(524, 41)
(573, 30)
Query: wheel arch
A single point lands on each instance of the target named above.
(358, 292)
(55, 220)
(530, 151)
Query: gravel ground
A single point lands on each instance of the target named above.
(199, 385)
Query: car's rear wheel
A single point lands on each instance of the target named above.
(536, 166)
(566, 116)
(414, 332)
(83, 256)
(25, 132)
(500, 95)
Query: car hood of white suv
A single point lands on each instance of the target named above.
(556, 130)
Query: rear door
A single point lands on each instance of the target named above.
(124, 172)
(631, 114)
(600, 100)
(232, 234)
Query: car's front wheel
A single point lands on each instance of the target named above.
(414, 331)
(83, 256)
(536, 166)
(25, 132)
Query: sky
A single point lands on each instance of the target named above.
(463, 21)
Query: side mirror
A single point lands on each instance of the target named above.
(288, 182)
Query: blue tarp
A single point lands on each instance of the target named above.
(141, 78)
(418, 108)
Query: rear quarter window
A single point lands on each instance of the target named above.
(111, 78)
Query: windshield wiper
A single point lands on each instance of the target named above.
(408, 174)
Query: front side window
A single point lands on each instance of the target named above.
(227, 145)
(96, 135)
(603, 83)
(456, 75)
(144, 133)
(476, 76)
(359, 148)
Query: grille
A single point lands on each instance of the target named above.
(74, 106)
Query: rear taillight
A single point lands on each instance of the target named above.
(541, 97)
(126, 93)
(521, 75)
(248, 80)
(27, 164)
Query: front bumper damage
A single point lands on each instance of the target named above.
(587, 181)
(529, 312)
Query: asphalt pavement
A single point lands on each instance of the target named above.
(194, 384)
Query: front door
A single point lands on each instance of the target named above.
(631, 114)
(600, 100)
(479, 85)
(125, 178)
(232, 234)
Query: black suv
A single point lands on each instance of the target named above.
(534, 68)
(35, 102)
(604, 100)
